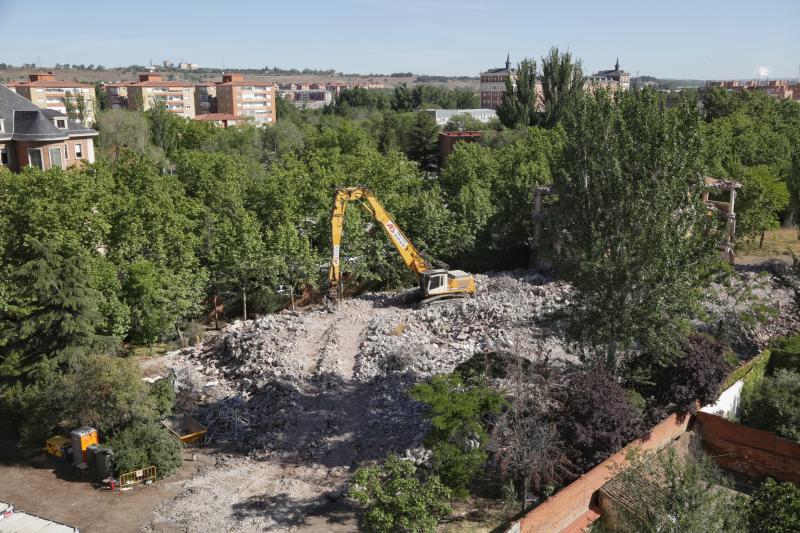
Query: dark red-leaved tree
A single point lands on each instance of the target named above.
(596, 418)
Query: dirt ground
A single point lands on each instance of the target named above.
(46, 487)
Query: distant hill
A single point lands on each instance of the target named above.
(10, 73)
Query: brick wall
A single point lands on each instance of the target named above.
(573, 502)
(750, 451)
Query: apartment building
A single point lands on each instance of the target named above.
(310, 98)
(177, 96)
(244, 98)
(40, 137)
(205, 98)
(68, 97)
(780, 89)
(117, 94)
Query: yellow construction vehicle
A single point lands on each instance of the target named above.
(435, 283)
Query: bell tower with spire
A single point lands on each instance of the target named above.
(616, 65)
(508, 62)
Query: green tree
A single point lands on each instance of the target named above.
(458, 435)
(149, 302)
(764, 197)
(122, 129)
(774, 508)
(102, 391)
(54, 315)
(468, 180)
(154, 242)
(671, 494)
(773, 403)
(638, 242)
(164, 126)
(283, 138)
(562, 84)
(423, 141)
(403, 99)
(793, 184)
(396, 500)
(146, 444)
(518, 106)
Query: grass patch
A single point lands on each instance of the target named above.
(776, 243)
(158, 348)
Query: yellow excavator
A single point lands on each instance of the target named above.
(435, 283)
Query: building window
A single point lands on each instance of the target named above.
(2, 124)
(35, 158)
(55, 158)
(61, 123)
(66, 153)
(78, 151)
(3, 156)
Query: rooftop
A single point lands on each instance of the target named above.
(23, 120)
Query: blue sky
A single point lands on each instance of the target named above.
(675, 39)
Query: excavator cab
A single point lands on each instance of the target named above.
(434, 282)
(440, 283)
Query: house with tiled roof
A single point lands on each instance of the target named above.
(43, 138)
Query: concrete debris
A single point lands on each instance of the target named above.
(750, 309)
(312, 395)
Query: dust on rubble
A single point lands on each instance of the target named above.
(300, 399)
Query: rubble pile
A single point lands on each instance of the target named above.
(253, 381)
(309, 396)
(751, 309)
(509, 312)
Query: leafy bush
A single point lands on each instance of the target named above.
(596, 418)
(785, 354)
(396, 499)
(673, 494)
(162, 397)
(774, 508)
(458, 435)
(773, 403)
(101, 391)
(697, 376)
(146, 444)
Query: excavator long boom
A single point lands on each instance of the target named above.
(408, 252)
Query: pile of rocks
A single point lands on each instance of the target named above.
(750, 309)
(510, 312)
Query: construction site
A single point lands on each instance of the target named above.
(277, 412)
(299, 399)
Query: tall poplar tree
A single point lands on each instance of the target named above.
(637, 239)
(518, 106)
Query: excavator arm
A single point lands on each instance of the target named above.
(408, 252)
